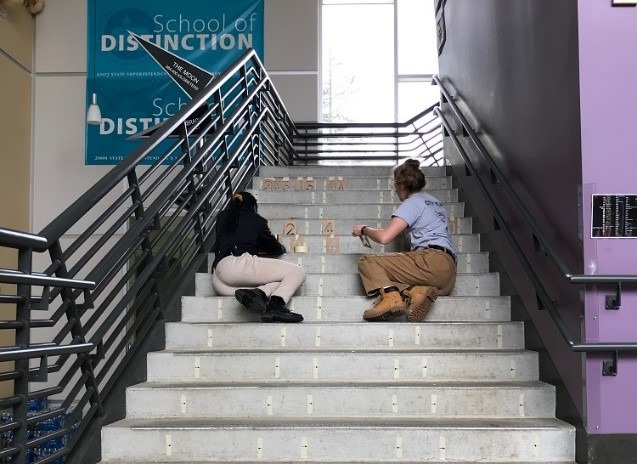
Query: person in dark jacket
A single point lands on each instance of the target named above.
(242, 267)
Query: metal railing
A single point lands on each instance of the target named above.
(420, 138)
(113, 262)
(613, 301)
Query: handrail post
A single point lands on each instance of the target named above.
(23, 340)
(77, 330)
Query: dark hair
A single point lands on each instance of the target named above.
(408, 176)
(241, 200)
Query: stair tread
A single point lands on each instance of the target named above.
(420, 423)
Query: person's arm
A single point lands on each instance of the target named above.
(268, 244)
(383, 236)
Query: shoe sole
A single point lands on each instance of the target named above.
(385, 315)
(276, 318)
(418, 310)
(251, 301)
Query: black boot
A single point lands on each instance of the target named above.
(254, 299)
(276, 311)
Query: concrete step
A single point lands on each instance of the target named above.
(291, 226)
(362, 365)
(345, 336)
(353, 171)
(351, 210)
(428, 400)
(326, 181)
(221, 309)
(334, 462)
(346, 263)
(459, 225)
(360, 440)
(347, 244)
(327, 197)
(486, 284)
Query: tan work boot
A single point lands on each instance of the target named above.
(388, 304)
(420, 301)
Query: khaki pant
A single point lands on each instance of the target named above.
(428, 268)
(273, 276)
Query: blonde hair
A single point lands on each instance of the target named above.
(409, 177)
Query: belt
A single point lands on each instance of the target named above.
(441, 248)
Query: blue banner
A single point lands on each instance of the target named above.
(129, 44)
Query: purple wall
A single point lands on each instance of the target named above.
(608, 105)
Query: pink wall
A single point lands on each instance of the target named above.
(608, 87)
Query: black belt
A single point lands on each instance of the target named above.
(441, 248)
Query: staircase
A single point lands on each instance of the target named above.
(459, 387)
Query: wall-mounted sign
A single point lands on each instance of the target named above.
(127, 70)
(614, 216)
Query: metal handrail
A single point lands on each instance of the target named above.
(569, 276)
(144, 230)
(419, 137)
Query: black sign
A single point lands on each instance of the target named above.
(614, 216)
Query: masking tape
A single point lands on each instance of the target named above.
(324, 197)
(313, 198)
(319, 308)
(322, 264)
(378, 212)
(220, 309)
(434, 403)
(399, 447)
(320, 286)
(306, 213)
(500, 337)
(304, 448)
(260, 448)
(277, 368)
(315, 368)
(536, 445)
(168, 441)
(381, 197)
(184, 404)
(488, 309)
(197, 367)
(424, 367)
(521, 403)
(394, 403)
(283, 336)
(513, 369)
(320, 215)
(396, 368)
(310, 405)
(442, 444)
(317, 340)
(209, 338)
(391, 338)
(417, 340)
(269, 405)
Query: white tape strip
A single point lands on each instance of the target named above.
(260, 448)
(399, 447)
(169, 444)
(284, 333)
(521, 403)
(536, 445)
(417, 340)
(307, 227)
(269, 406)
(322, 264)
(209, 338)
(396, 368)
(394, 403)
(378, 211)
(220, 309)
(319, 308)
(434, 403)
(277, 368)
(324, 197)
(313, 198)
(377, 184)
(391, 196)
(513, 369)
(184, 404)
(390, 338)
(310, 405)
(321, 212)
(488, 309)
(315, 368)
(442, 444)
(424, 367)
(320, 287)
(317, 340)
(381, 197)
(306, 213)
(304, 448)
(299, 262)
(500, 336)
(324, 245)
(197, 367)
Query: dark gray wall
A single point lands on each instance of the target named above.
(513, 67)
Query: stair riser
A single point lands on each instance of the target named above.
(318, 337)
(382, 444)
(343, 211)
(315, 308)
(336, 198)
(346, 285)
(328, 402)
(383, 172)
(460, 225)
(339, 183)
(342, 367)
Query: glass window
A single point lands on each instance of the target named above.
(358, 62)
(413, 97)
(417, 42)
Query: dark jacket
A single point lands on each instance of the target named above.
(252, 236)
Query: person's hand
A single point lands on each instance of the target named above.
(356, 230)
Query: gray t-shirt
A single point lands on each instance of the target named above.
(427, 221)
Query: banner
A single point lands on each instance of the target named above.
(147, 59)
